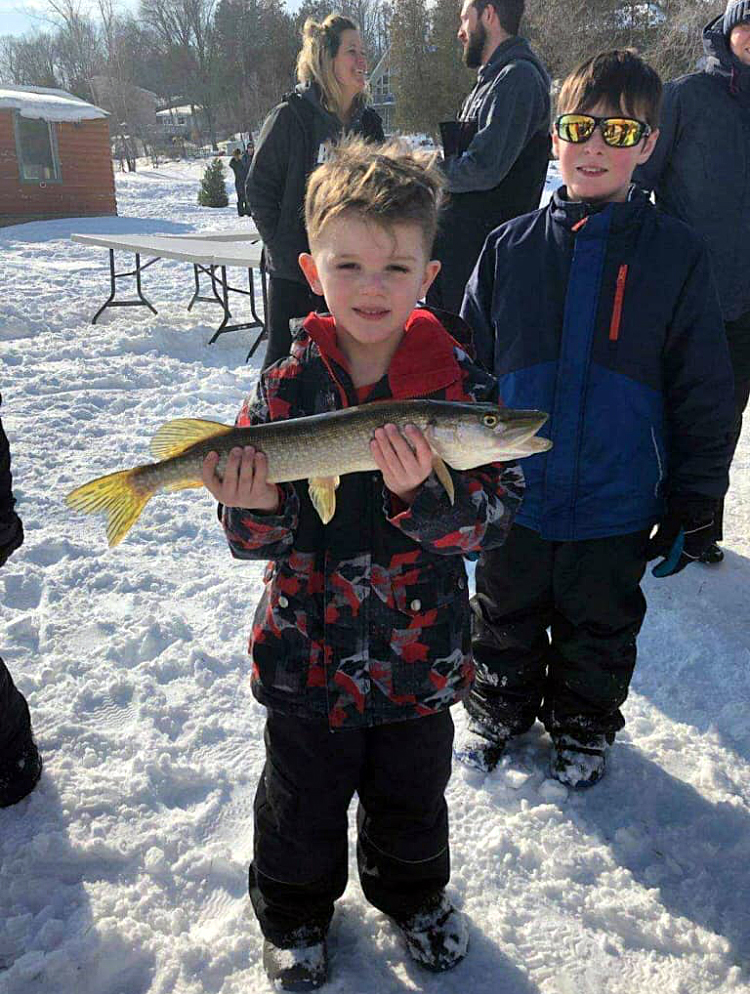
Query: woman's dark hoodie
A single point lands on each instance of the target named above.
(292, 143)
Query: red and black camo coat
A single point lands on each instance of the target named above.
(366, 620)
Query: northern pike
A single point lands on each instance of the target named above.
(320, 449)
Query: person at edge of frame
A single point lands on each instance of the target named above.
(329, 101)
(20, 762)
(603, 311)
(497, 153)
(361, 640)
(700, 173)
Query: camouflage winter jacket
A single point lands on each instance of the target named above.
(366, 620)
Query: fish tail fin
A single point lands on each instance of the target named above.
(114, 495)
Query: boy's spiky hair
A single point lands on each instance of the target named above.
(619, 78)
(387, 184)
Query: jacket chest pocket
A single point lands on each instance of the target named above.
(430, 634)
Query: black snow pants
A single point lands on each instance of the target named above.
(15, 723)
(587, 593)
(399, 772)
(738, 338)
(286, 300)
(242, 208)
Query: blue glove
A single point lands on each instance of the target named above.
(683, 536)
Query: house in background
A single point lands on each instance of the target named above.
(181, 122)
(55, 158)
(381, 93)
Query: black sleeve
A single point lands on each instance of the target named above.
(11, 530)
(266, 179)
(476, 309)
(699, 388)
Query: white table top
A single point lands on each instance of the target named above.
(205, 251)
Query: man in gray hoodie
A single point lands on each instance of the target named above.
(700, 173)
(496, 154)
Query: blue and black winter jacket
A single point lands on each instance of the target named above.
(607, 317)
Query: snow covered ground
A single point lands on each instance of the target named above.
(125, 871)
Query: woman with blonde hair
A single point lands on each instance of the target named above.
(328, 102)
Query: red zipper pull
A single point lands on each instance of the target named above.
(614, 327)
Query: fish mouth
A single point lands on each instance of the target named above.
(520, 432)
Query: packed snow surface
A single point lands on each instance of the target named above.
(125, 871)
(48, 105)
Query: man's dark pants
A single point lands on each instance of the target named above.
(286, 300)
(15, 723)
(738, 337)
(399, 771)
(242, 208)
(588, 594)
(458, 245)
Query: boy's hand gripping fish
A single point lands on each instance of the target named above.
(319, 449)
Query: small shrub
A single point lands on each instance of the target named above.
(213, 191)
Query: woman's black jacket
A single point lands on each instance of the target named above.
(292, 143)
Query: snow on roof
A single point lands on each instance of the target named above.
(184, 111)
(48, 105)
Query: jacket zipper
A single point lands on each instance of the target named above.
(614, 327)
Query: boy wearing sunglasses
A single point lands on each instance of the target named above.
(602, 311)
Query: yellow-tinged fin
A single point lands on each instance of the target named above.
(113, 495)
(443, 474)
(322, 490)
(182, 485)
(175, 436)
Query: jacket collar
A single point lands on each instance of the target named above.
(507, 51)
(423, 363)
(574, 214)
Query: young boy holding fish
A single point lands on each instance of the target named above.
(602, 311)
(360, 642)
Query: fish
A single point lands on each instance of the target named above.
(319, 448)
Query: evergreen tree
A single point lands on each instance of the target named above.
(409, 63)
(213, 191)
(450, 80)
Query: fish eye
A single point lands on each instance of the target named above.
(490, 420)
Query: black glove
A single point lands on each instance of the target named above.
(683, 535)
(11, 537)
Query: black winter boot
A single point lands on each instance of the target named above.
(20, 769)
(578, 760)
(436, 936)
(714, 554)
(479, 747)
(296, 968)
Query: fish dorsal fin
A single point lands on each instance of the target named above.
(322, 490)
(175, 436)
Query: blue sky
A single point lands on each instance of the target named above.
(20, 16)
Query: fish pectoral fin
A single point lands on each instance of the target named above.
(322, 490)
(175, 436)
(443, 474)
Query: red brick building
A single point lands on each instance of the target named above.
(55, 158)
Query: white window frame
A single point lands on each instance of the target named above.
(35, 181)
